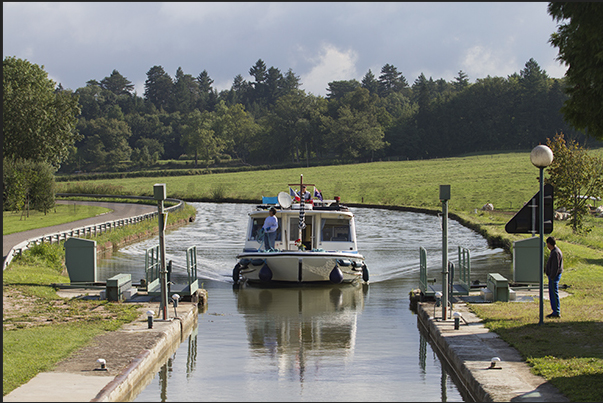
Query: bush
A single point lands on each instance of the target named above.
(49, 255)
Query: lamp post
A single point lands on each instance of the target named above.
(541, 157)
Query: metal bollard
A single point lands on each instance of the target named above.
(150, 318)
(457, 320)
(175, 298)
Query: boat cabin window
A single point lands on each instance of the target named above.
(306, 233)
(335, 229)
(258, 222)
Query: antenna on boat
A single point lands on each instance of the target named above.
(302, 219)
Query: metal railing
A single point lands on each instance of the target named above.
(94, 229)
(464, 268)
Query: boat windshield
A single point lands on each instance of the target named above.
(335, 229)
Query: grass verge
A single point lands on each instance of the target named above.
(567, 351)
(62, 213)
(40, 328)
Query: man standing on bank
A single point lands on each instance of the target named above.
(553, 270)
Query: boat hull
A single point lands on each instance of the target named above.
(300, 267)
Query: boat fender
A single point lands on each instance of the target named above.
(265, 273)
(356, 264)
(336, 275)
(244, 262)
(236, 273)
(257, 262)
(365, 273)
(342, 262)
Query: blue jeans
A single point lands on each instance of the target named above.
(269, 239)
(554, 293)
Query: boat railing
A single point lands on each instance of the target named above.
(268, 202)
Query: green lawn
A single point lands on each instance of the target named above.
(507, 180)
(62, 213)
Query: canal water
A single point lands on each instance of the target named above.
(334, 343)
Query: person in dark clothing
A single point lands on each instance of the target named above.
(553, 270)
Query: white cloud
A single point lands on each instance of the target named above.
(331, 64)
(79, 41)
(555, 69)
(479, 61)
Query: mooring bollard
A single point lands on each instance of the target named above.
(457, 320)
(175, 298)
(150, 318)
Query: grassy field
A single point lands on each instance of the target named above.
(566, 351)
(16, 222)
(506, 180)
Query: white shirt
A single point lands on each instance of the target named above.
(271, 224)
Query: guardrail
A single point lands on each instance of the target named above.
(95, 229)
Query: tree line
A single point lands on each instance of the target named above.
(270, 119)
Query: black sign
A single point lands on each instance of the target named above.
(527, 220)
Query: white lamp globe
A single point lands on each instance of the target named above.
(541, 156)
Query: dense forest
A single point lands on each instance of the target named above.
(269, 119)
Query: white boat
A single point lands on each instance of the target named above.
(315, 243)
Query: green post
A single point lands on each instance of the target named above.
(160, 195)
(444, 197)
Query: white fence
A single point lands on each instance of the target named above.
(95, 229)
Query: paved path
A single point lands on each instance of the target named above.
(120, 210)
(469, 351)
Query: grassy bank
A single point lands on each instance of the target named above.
(506, 180)
(39, 327)
(62, 213)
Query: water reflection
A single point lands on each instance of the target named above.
(165, 372)
(292, 324)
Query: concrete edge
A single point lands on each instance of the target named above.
(142, 369)
(473, 388)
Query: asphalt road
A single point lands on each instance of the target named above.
(119, 211)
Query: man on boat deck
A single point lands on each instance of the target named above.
(305, 194)
(270, 226)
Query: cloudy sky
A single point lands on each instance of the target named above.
(320, 42)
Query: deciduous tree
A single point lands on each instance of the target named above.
(575, 175)
(579, 41)
(38, 123)
(198, 137)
